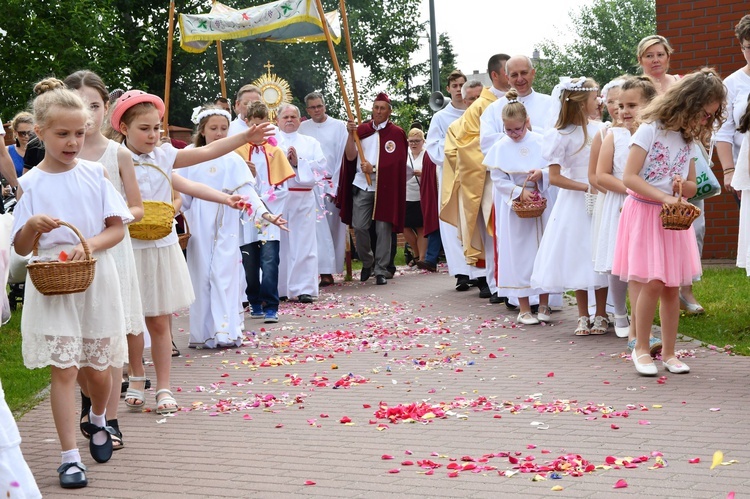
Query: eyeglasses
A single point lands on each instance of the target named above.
(745, 48)
(24, 134)
(315, 108)
(515, 131)
(707, 115)
(418, 141)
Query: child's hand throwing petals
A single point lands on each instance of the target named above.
(43, 223)
(235, 201)
(276, 220)
(258, 133)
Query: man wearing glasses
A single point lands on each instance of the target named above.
(330, 231)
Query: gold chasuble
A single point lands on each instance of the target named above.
(470, 194)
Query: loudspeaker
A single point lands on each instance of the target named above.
(437, 101)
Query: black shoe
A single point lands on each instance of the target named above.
(366, 273)
(304, 299)
(462, 282)
(380, 280)
(430, 267)
(73, 480)
(85, 408)
(325, 280)
(535, 309)
(389, 274)
(283, 298)
(510, 306)
(484, 289)
(474, 283)
(117, 442)
(496, 299)
(101, 453)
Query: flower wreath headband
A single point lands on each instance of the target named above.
(568, 84)
(199, 115)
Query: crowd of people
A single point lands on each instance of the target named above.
(529, 196)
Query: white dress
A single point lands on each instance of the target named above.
(741, 182)
(13, 467)
(517, 238)
(123, 253)
(596, 217)
(214, 258)
(564, 260)
(604, 250)
(162, 272)
(80, 329)
(298, 248)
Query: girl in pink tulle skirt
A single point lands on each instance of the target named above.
(656, 261)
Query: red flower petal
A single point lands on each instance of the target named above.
(614, 427)
(386, 456)
(407, 463)
(309, 482)
(621, 484)
(345, 419)
(63, 257)
(394, 470)
(695, 460)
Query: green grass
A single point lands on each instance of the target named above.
(724, 293)
(22, 386)
(399, 260)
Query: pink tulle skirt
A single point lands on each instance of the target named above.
(645, 251)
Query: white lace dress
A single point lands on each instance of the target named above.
(81, 329)
(123, 254)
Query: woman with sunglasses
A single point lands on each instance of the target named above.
(22, 126)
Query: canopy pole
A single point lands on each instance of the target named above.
(168, 80)
(221, 69)
(340, 78)
(345, 19)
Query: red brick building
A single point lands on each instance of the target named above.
(702, 34)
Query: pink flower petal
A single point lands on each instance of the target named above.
(695, 460)
(386, 456)
(394, 470)
(309, 482)
(621, 484)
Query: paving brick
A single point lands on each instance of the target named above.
(195, 454)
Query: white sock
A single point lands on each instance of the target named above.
(71, 456)
(100, 437)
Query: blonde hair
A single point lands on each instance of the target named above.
(572, 111)
(21, 118)
(199, 140)
(681, 106)
(514, 109)
(650, 41)
(416, 132)
(51, 93)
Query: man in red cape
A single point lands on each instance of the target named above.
(374, 189)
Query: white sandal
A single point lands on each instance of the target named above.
(600, 326)
(583, 326)
(167, 403)
(135, 394)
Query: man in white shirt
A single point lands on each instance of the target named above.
(331, 232)
(245, 95)
(520, 72)
(298, 251)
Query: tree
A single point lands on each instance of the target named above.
(447, 58)
(607, 35)
(125, 42)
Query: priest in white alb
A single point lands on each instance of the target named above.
(298, 269)
(330, 230)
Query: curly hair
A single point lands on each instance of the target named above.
(681, 107)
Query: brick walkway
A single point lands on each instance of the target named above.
(413, 341)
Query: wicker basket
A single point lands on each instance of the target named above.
(529, 209)
(185, 236)
(62, 278)
(680, 215)
(158, 217)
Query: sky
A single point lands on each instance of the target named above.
(480, 28)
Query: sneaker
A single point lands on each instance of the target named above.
(271, 317)
(256, 312)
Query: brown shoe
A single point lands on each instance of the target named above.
(431, 267)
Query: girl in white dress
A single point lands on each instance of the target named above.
(164, 279)
(214, 258)
(119, 166)
(564, 259)
(80, 331)
(635, 94)
(516, 160)
(741, 182)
